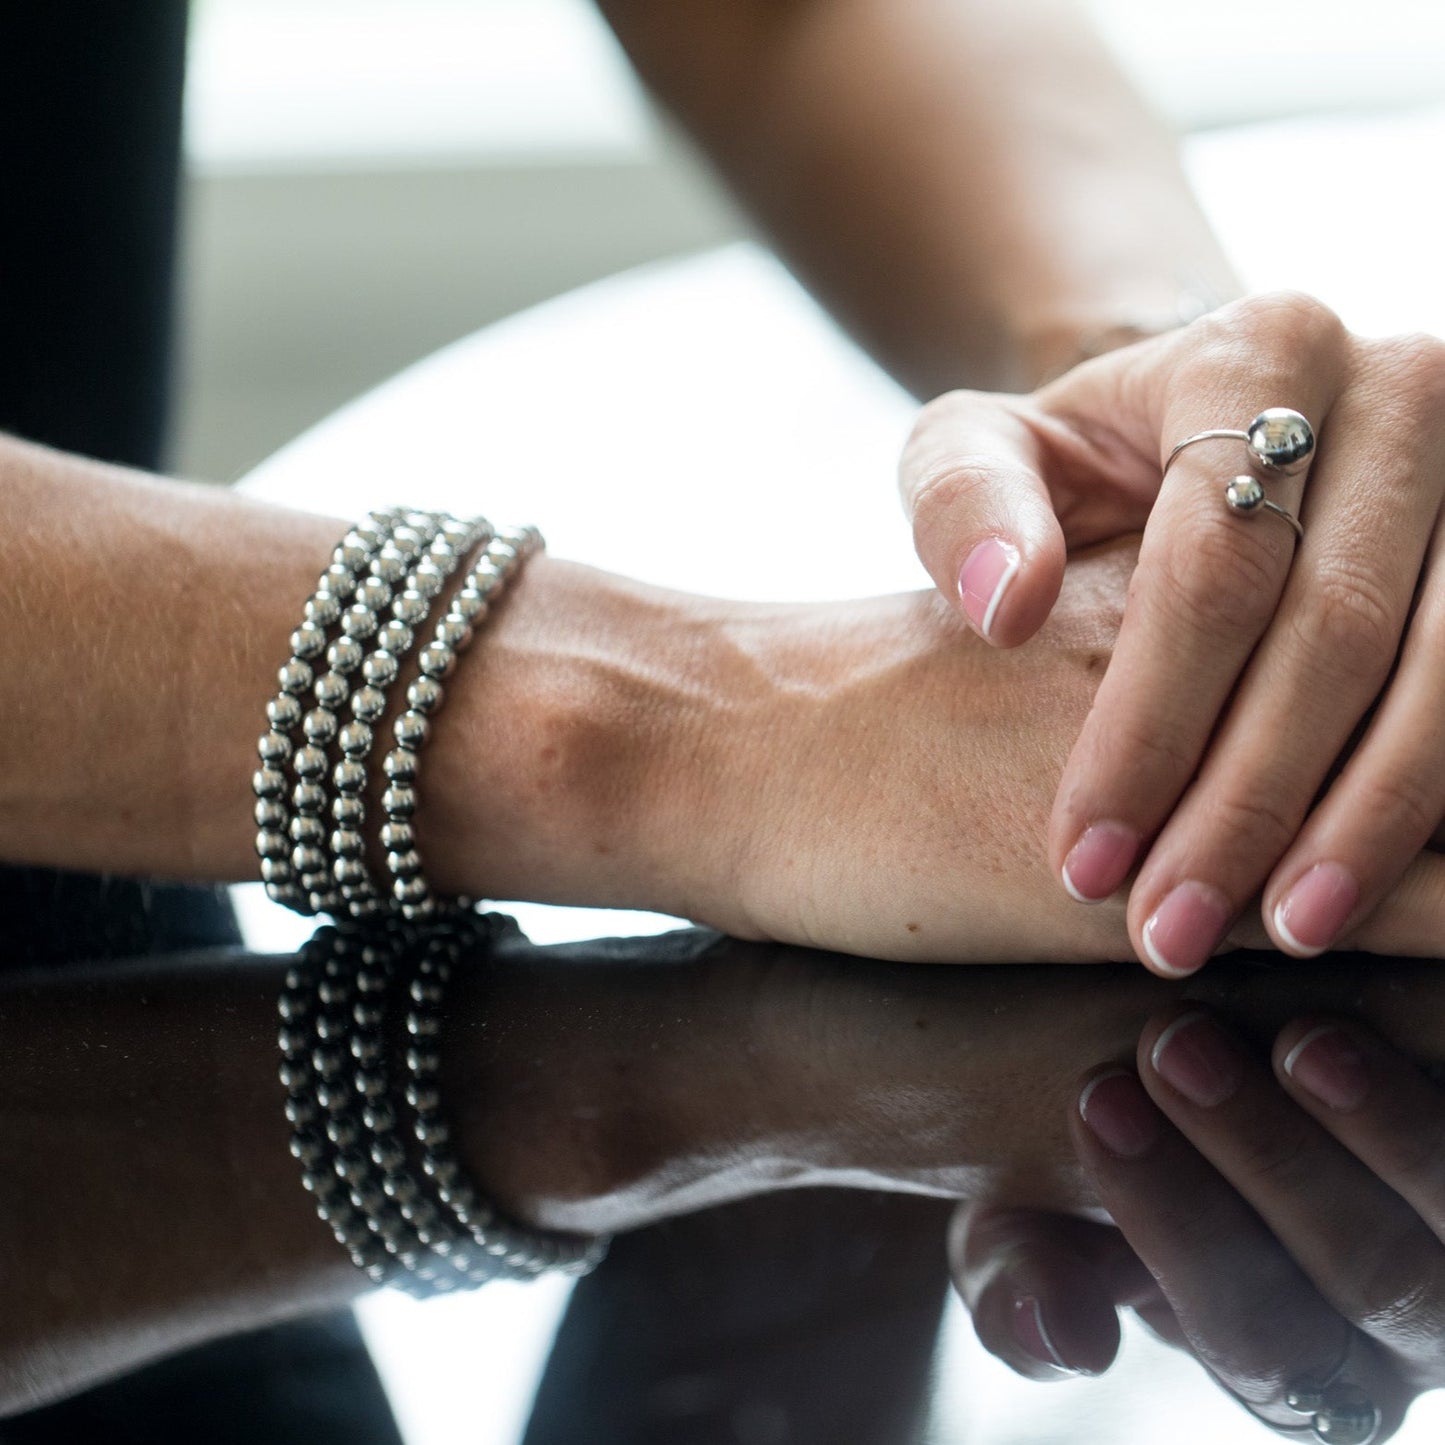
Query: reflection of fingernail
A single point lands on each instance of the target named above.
(984, 578)
(1311, 914)
(1032, 1333)
(1196, 1057)
(1100, 861)
(1120, 1114)
(1186, 928)
(1328, 1063)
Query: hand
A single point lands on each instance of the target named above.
(1281, 1226)
(1245, 666)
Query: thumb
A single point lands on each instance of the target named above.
(983, 521)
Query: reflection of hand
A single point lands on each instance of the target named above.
(1283, 1227)
(1244, 665)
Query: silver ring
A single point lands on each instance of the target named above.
(1280, 441)
(1336, 1412)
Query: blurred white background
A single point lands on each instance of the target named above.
(373, 178)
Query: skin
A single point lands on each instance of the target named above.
(918, 161)
(1233, 638)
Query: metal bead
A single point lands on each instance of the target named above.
(310, 763)
(345, 655)
(308, 640)
(307, 828)
(399, 801)
(296, 676)
(358, 623)
(331, 689)
(425, 695)
(348, 812)
(389, 566)
(409, 890)
(436, 662)
(407, 541)
(349, 872)
(397, 837)
(1244, 495)
(397, 637)
(411, 729)
(270, 813)
(378, 1116)
(356, 740)
(410, 608)
(274, 747)
(323, 610)
(373, 593)
(380, 668)
(1280, 438)
(319, 725)
(368, 704)
(349, 777)
(404, 865)
(271, 844)
(338, 580)
(423, 1025)
(428, 579)
(306, 858)
(348, 843)
(400, 765)
(283, 711)
(353, 550)
(268, 783)
(308, 797)
(486, 579)
(1304, 1397)
(453, 632)
(464, 534)
(469, 604)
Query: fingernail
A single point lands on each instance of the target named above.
(1328, 1063)
(1100, 861)
(1120, 1114)
(1186, 928)
(1196, 1057)
(1031, 1331)
(984, 578)
(1309, 917)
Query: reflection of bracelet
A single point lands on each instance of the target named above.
(375, 1152)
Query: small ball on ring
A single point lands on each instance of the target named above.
(1244, 495)
(1280, 438)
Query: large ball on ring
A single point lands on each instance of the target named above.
(1280, 439)
(1348, 1417)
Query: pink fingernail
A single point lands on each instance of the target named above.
(1310, 916)
(1100, 861)
(1328, 1063)
(1032, 1333)
(1198, 1059)
(984, 578)
(1121, 1116)
(1186, 928)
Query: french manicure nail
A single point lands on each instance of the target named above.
(1310, 916)
(1120, 1114)
(1186, 928)
(1032, 1332)
(984, 578)
(1197, 1058)
(1100, 861)
(1330, 1065)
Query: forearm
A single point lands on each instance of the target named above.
(972, 187)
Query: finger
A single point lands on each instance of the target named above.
(1249, 1312)
(1381, 810)
(1408, 922)
(1367, 1252)
(1375, 1102)
(983, 522)
(1040, 1288)
(1206, 587)
(1315, 674)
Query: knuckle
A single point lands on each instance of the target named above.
(1349, 625)
(1402, 804)
(1415, 364)
(1222, 581)
(1395, 1290)
(1255, 819)
(1282, 1161)
(1280, 324)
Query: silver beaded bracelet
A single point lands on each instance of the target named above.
(376, 1158)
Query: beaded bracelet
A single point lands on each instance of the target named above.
(376, 1159)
